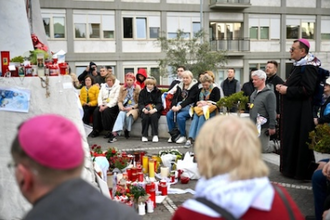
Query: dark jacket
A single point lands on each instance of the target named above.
(272, 82)
(191, 96)
(97, 78)
(248, 89)
(153, 97)
(214, 95)
(325, 112)
(76, 199)
(230, 87)
(263, 103)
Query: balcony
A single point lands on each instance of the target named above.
(229, 4)
(238, 45)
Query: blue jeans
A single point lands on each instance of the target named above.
(319, 184)
(197, 124)
(181, 118)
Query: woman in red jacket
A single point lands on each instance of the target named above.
(234, 176)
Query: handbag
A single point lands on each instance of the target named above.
(175, 134)
(199, 110)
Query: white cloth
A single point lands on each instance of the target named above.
(103, 164)
(234, 196)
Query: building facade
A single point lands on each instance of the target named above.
(123, 33)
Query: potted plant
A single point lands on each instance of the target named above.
(235, 100)
(320, 141)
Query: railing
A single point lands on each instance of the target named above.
(230, 1)
(231, 45)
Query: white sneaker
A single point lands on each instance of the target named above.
(188, 144)
(155, 138)
(169, 140)
(181, 140)
(144, 139)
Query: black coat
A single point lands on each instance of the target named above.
(192, 93)
(153, 97)
(272, 82)
(214, 95)
(297, 122)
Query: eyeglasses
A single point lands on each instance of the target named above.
(292, 49)
(12, 165)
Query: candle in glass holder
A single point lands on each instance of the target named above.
(155, 158)
(145, 164)
(164, 171)
(129, 173)
(151, 168)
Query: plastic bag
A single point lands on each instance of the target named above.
(188, 166)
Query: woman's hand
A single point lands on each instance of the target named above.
(176, 108)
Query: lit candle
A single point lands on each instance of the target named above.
(151, 168)
(155, 158)
(145, 164)
(164, 171)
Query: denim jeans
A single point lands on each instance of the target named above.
(319, 184)
(181, 118)
(197, 124)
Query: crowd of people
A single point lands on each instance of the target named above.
(234, 179)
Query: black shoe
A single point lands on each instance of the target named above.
(112, 139)
(126, 132)
(93, 134)
(108, 135)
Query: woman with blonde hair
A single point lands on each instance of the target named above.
(184, 96)
(234, 176)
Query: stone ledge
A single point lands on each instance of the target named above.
(162, 128)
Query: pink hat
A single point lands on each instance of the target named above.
(304, 41)
(52, 141)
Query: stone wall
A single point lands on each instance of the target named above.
(12, 204)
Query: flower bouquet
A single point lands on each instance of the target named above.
(96, 151)
(118, 162)
(111, 152)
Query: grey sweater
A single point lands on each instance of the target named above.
(264, 104)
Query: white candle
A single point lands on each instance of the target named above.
(164, 171)
(150, 206)
(142, 209)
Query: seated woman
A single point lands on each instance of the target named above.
(128, 106)
(106, 112)
(234, 176)
(208, 95)
(88, 98)
(184, 96)
(150, 106)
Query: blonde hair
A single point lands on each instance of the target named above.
(206, 78)
(187, 73)
(150, 80)
(210, 73)
(229, 144)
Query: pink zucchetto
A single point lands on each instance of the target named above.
(304, 41)
(52, 141)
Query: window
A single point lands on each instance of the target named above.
(190, 25)
(300, 27)
(128, 27)
(264, 27)
(325, 28)
(93, 25)
(141, 27)
(54, 23)
(196, 27)
(225, 31)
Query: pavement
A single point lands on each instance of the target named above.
(300, 191)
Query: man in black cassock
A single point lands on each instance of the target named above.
(296, 112)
